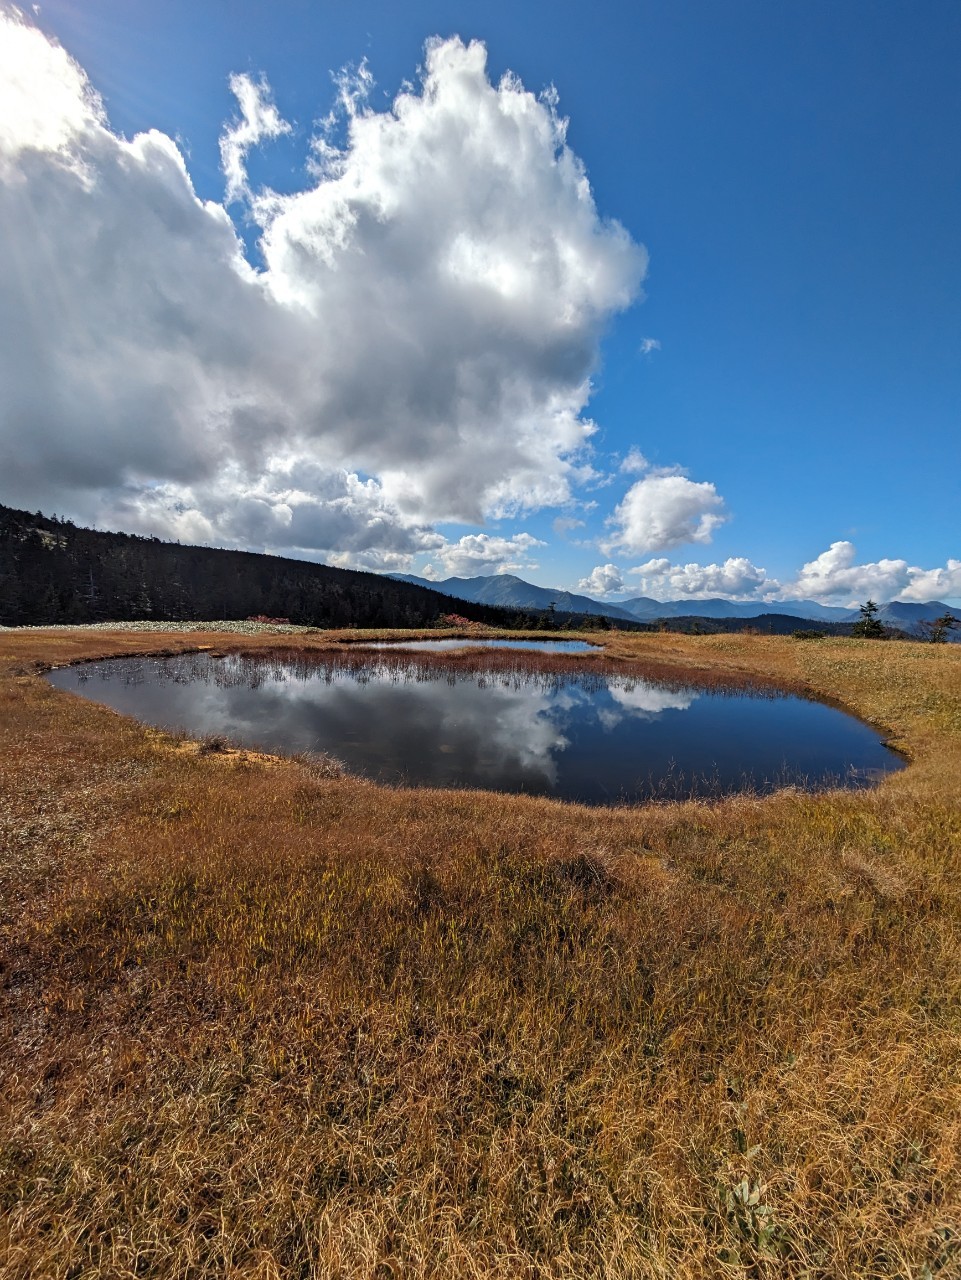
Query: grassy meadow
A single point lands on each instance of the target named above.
(263, 1020)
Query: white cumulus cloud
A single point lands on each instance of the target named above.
(291, 507)
(426, 319)
(662, 511)
(737, 577)
(603, 580)
(835, 577)
(933, 584)
(46, 101)
(483, 554)
(835, 573)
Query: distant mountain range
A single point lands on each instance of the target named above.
(52, 571)
(504, 589)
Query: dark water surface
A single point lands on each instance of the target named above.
(465, 642)
(575, 734)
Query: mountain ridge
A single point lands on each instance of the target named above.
(52, 571)
(500, 589)
(55, 572)
(506, 589)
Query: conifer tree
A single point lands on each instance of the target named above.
(868, 626)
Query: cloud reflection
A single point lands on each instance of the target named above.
(573, 734)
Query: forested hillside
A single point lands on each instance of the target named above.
(51, 571)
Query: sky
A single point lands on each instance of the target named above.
(656, 299)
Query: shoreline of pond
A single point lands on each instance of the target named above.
(581, 729)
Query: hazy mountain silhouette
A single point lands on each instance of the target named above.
(507, 589)
(504, 589)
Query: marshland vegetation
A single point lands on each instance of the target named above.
(262, 1019)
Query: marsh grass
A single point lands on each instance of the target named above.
(260, 1019)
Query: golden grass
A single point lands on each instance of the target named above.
(258, 1021)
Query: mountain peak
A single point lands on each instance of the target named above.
(510, 590)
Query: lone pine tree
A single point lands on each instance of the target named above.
(868, 626)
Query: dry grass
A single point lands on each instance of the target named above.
(259, 1021)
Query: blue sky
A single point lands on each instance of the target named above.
(787, 367)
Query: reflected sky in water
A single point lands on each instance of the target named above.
(574, 735)
(466, 642)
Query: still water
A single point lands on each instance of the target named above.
(578, 734)
(465, 642)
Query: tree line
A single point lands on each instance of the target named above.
(52, 571)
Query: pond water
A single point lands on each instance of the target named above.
(465, 642)
(574, 734)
